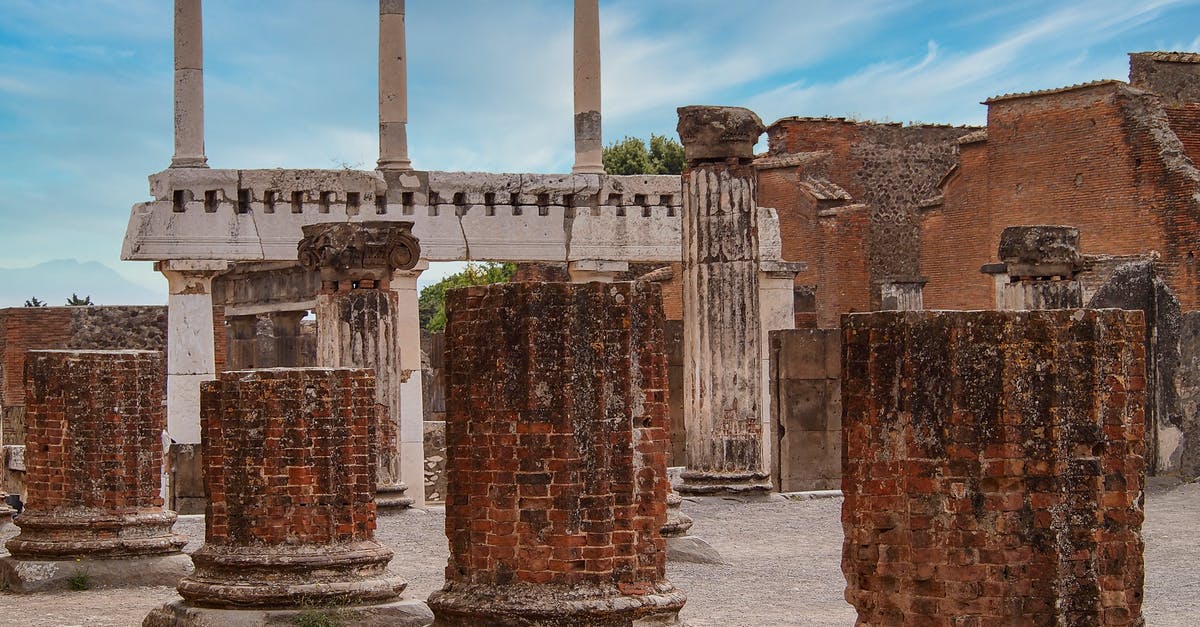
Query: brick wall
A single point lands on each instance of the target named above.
(556, 432)
(844, 279)
(956, 237)
(993, 467)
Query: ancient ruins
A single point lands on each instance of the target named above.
(983, 339)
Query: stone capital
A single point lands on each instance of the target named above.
(358, 250)
(717, 133)
(190, 276)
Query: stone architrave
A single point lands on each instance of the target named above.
(721, 310)
(93, 463)
(556, 433)
(358, 326)
(290, 526)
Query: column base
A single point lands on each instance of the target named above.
(6, 514)
(678, 522)
(291, 576)
(66, 535)
(391, 498)
(403, 613)
(581, 605)
(700, 482)
(22, 575)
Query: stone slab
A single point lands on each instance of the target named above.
(692, 549)
(401, 613)
(24, 576)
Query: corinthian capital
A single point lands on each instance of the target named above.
(358, 250)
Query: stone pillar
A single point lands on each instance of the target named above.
(556, 433)
(191, 352)
(93, 461)
(189, 86)
(1040, 264)
(599, 271)
(902, 295)
(412, 387)
(289, 465)
(358, 325)
(776, 312)
(993, 467)
(393, 88)
(723, 381)
(589, 147)
(285, 331)
(242, 351)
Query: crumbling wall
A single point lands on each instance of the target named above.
(1175, 76)
(993, 467)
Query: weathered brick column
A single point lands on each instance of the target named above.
(722, 384)
(556, 432)
(93, 458)
(358, 326)
(289, 471)
(993, 467)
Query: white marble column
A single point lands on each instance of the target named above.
(412, 410)
(189, 86)
(393, 88)
(191, 356)
(588, 141)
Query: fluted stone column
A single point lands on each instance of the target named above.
(722, 340)
(358, 326)
(189, 86)
(393, 88)
(588, 141)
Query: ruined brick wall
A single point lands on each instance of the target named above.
(844, 273)
(993, 466)
(23, 328)
(956, 235)
(531, 272)
(556, 437)
(1173, 75)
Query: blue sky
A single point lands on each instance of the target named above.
(85, 85)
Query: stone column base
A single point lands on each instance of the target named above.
(33, 575)
(391, 498)
(402, 613)
(67, 535)
(700, 482)
(582, 605)
(6, 514)
(678, 522)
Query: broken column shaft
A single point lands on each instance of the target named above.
(358, 325)
(556, 433)
(589, 148)
(189, 86)
(722, 340)
(393, 88)
(1040, 263)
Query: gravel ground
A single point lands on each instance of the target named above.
(783, 566)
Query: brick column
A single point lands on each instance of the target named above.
(289, 470)
(993, 467)
(358, 325)
(93, 461)
(722, 384)
(556, 432)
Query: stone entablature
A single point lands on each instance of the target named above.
(257, 215)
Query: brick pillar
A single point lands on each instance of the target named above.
(556, 433)
(93, 462)
(722, 344)
(358, 324)
(993, 467)
(290, 472)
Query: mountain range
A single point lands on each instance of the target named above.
(54, 281)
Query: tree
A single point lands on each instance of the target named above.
(631, 156)
(76, 301)
(34, 302)
(431, 305)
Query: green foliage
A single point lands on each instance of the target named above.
(76, 301)
(34, 302)
(79, 580)
(630, 156)
(432, 303)
(317, 618)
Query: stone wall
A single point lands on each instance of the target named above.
(994, 467)
(806, 409)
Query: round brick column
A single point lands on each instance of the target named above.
(93, 457)
(289, 471)
(556, 432)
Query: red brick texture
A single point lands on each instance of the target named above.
(289, 472)
(556, 432)
(993, 467)
(93, 456)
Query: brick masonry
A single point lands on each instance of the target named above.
(993, 467)
(93, 457)
(557, 440)
(290, 474)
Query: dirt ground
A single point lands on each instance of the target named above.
(783, 566)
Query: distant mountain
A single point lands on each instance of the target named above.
(54, 281)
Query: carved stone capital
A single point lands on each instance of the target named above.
(718, 133)
(358, 250)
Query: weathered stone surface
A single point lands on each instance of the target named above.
(692, 549)
(807, 408)
(361, 250)
(556, 429)
(290, 471)
(718, 133)
(401, 613)
(994, 467)
(1040, 250)
(33, 575)
(93, 457)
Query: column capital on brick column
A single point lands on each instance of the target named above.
(717, 133)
